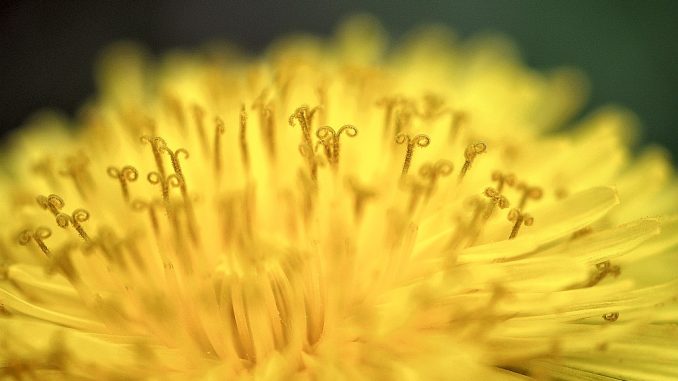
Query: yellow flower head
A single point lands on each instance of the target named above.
(333, 210)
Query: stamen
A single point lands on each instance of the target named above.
(361, 195)
(470, 154)
(432, 172)
(611, 317)
(321, 91)
(76, 169)
(529, 192)
(61, 260)
(157, 145)
(310, 156)
(266, 122)
(389, 104)
(198, 115)
(175, 108)
(458, 119)
(45, 168)
(434, 107)
(420, 140)
(496, 199)
(53, 203)
(243, 138)
(75, 219)
(417, 190)
(218, 131)
(330, 140)
(301, 114)
(176, 163)
(503, 179)
(404, 116)
(39, 235)
(124, 175)
(171, 181)
(518, 219)
(139, 205)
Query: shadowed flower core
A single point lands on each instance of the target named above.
(336, 210)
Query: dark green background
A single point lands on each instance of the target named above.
(628, 49)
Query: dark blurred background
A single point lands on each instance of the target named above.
(628, 49)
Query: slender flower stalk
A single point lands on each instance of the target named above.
(335, 212)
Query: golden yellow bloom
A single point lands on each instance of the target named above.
(335, 211)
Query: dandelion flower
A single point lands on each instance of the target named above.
(334, 210)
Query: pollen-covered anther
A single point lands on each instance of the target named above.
(528, 192)
(503, 179)
(39, 235)
(304, 117)
(76, 170)
(457, 120)
(420, 140)
(330, 140)
(158, 144)
(470, 153)
(75, 219)
(434, 107)
(433, 171)
(124, 176)
(149, 207)
(53, 203)
(518, 218)
(361, 194)
(165, 182)
(389, 104)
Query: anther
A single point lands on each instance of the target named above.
(302, 115)
(157, 145)
(243, 138)
(75, 219)
(76, 169)
(218, 131)
(361, 194)
(470, 153)
(458, 119)
(529, 192)
(165, 183)
(403, 117)
(432, 172)
(389, 104)
(611, 317)
(496, 200)
(434, 107)
(139, 205)
(174, 106)
(503, 179)
(518, 218)
(176, 162)
(53, 203)
(419, 140)
(38, 235)
(124, 175)
(45, 168)
(330, 139)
